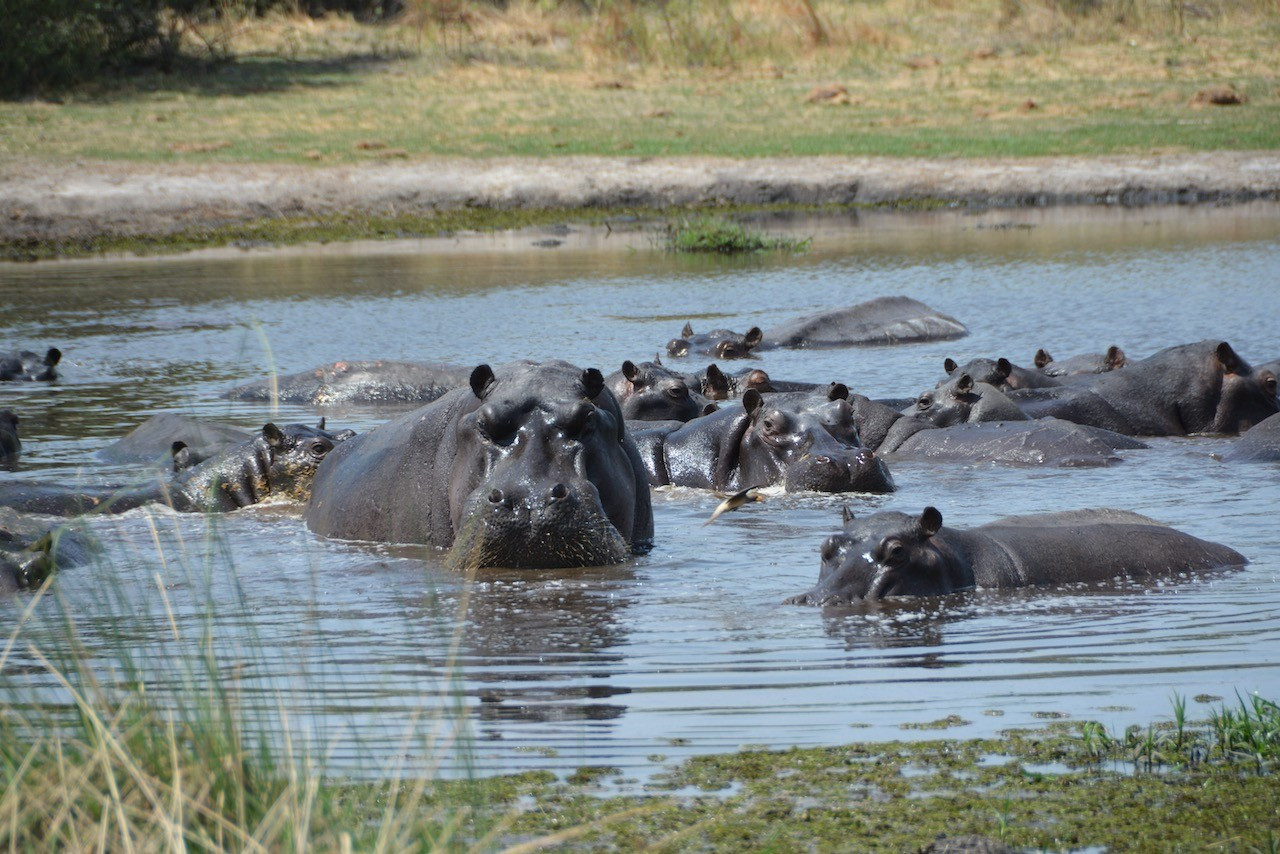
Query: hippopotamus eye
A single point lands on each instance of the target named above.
(1269, 383)
(497, 430)
(319, 448)
(925, 401)
(678, 391)
(894, 552)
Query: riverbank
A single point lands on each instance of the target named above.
(91, 207)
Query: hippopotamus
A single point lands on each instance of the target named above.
(529, 466)
(721, 343)
(10, 445)
(1087, 363)
(896, 554)
(348, 382)
(31, 550)
(795, 440)
(1192, 388)
(960, 400)
(278, 462)
(651, 391)
(1000, 373)
(1259, 444)
(884, 320)
(24, 365)
(154, 439)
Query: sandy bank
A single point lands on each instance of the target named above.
(43, 201)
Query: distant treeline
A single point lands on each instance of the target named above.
(46, 44)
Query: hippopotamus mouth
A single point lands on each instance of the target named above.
(566, 527)
(858, 470)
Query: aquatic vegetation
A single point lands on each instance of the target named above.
(717, 235)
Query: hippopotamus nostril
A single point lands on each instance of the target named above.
(496, 496)
(822, 459)
(559, 492)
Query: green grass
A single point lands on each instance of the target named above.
(716, 235)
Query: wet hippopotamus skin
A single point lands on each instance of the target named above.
(529, 466)
(1259, 444)
(720, 343)
(278, 462)
(650, 391)
(1204, 387)
(154, 439)
(10, 444)
(961, 400)
(798, 441)
(1000, 373)
(359, 382)
(31, 550)
(1085, 363)
(890, 554)
(25, 366)
(884, 320)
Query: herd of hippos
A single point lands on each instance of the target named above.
(547, 465)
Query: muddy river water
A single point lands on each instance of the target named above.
(370, 656)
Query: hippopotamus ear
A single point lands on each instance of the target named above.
(949, 365)
(481, 380)
(1042, 358)
(273, 434)
(630, 371)
(657, 358)
(687, 332)
(1003, 368)
(709, 408)
(1115, 357)
(1227, 357)
(965, 383)
(320, 426)
(837, 391)
(592, 382)
(753, 337)
(930, 521)
(846, 515)
(716, 381)
(752, 401)
(52, 357)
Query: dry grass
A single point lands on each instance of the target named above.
(730, 77)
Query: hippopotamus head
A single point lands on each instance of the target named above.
(807, 442)
(996, 372)
(651, 392)
(545, 474)
(292, 453)
(885, 554)
(961, 400)
(720, 343)
(1088, 363)
(1246, 396)
(26, 365)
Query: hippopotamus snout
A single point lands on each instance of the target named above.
(840, 470)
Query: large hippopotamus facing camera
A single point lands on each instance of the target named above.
(278, 462)
(1192, 388)
(799, 441)
(23, 365)
(368, 382)
(10, 444)
(896, 554)
(529, 466)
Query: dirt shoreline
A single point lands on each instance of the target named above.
(45, 201)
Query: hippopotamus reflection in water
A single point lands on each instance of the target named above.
(1193, 388)
(651, 391)
(895, 554)
(797, 441)
(348, 382)
(1087, 363)
(10, 444)
(530, 466)
(24, 365)
(30, 550)
(720, 343)
(279, 462)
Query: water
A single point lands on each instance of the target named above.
(372, 652)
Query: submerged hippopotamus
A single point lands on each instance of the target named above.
(960, 400)
(1259, 444)
(278, 462)
(23, 365)
(348, 382)
(530, 466)
(798, 441)
(1000, 373)
(895, 554)
(884, 320)
(154, 439)
(651, 391)
(721, 343)
(1193, 388)
(10, 444)
(31, 550)
(1086, 363)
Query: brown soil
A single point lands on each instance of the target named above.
(42, 201)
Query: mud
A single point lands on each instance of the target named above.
(47, 201)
